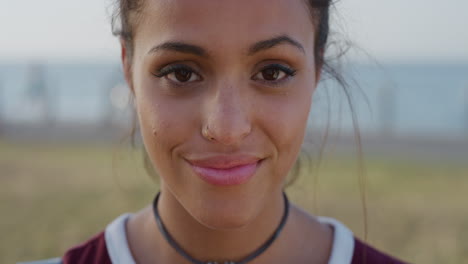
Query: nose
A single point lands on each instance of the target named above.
(227, 119)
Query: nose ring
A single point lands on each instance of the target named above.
(206, 133)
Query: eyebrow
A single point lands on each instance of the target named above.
(199, 51)
(180, 47)
(270, 43)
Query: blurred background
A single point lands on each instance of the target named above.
(67, 167)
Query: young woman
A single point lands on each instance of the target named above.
(223, 91)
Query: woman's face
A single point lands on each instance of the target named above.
(223, 91)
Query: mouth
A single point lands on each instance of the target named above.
(226, 171)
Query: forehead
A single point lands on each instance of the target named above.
(224, 23)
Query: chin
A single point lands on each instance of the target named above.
(226, 216)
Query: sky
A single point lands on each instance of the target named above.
(388, 30)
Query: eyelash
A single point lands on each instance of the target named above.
(289, 72)
(163, 72)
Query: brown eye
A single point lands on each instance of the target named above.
(274, 73)
(270, 74)
(182, 75)
(179, 74)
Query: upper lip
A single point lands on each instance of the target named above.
(224, 161)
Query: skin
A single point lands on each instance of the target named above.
(245, 115)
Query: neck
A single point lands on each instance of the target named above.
(207, 244)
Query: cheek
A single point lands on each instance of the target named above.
(153, 122)
(165, 124)
(285, 122)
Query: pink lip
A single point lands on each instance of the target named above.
(226, 170)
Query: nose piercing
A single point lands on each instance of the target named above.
(206, 133)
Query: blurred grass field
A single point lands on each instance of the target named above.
(55, 196)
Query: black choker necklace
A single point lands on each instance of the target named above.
(184, 254)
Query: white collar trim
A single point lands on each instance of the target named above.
(116, 241)
(119, 251)
(343, 242)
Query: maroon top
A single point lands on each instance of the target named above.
(365, 254)
(94, 251)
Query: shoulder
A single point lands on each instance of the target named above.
(109, 246)
(93, 251)
(364, 253)
(348, 249)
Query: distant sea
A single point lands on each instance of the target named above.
(402, 98)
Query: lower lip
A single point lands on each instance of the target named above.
(227, 177)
